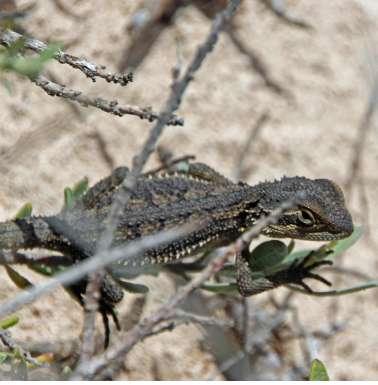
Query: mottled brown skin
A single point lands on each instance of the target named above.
(164, 201)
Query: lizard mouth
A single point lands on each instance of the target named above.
(276, 231)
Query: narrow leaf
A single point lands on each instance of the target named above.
(290, 246)
(4, 356)
(80, 188)
(25, 211)
(20, 281)
(42, 269)
(9, 322)
(68, 198)
(220, 288)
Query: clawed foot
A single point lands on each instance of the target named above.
(298, 271)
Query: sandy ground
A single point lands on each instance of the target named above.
(44, 146)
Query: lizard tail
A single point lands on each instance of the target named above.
(25, 233)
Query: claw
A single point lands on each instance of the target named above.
(115, 319)
(105, 310)
(105, 319)
(298, 271)
(318, 278)
(305, 286)
(320, 263)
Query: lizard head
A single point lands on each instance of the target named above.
(320, 213)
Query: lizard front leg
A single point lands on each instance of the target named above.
(247, 285)
(294, 274)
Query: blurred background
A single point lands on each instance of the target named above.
(295, 78)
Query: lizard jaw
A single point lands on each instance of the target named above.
(276, 231)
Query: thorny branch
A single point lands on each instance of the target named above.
(6, 339)
(146, 325)
(92, 295)
(112, 107)
(91, 70)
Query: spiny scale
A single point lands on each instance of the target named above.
(159, 202)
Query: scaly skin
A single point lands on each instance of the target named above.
(164, 201)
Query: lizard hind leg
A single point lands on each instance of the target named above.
(110, 294)
(101, 191)
(204, 172)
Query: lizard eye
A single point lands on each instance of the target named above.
(306, 217)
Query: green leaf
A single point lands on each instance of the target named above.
(25, 211)
(66, 371)
(28, 66)
(9, 322)
(68, 198)
(20, 281)
(15, 47)
(228, 270)
(318, 371)
(80, 188)
(4, 356)
(50, 52)
(135, 288)
(267, 254)
(45, 270)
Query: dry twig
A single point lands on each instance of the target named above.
(112, 107)
(6, 339)
(91, 70)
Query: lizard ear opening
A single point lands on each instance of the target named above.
(250, 207)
